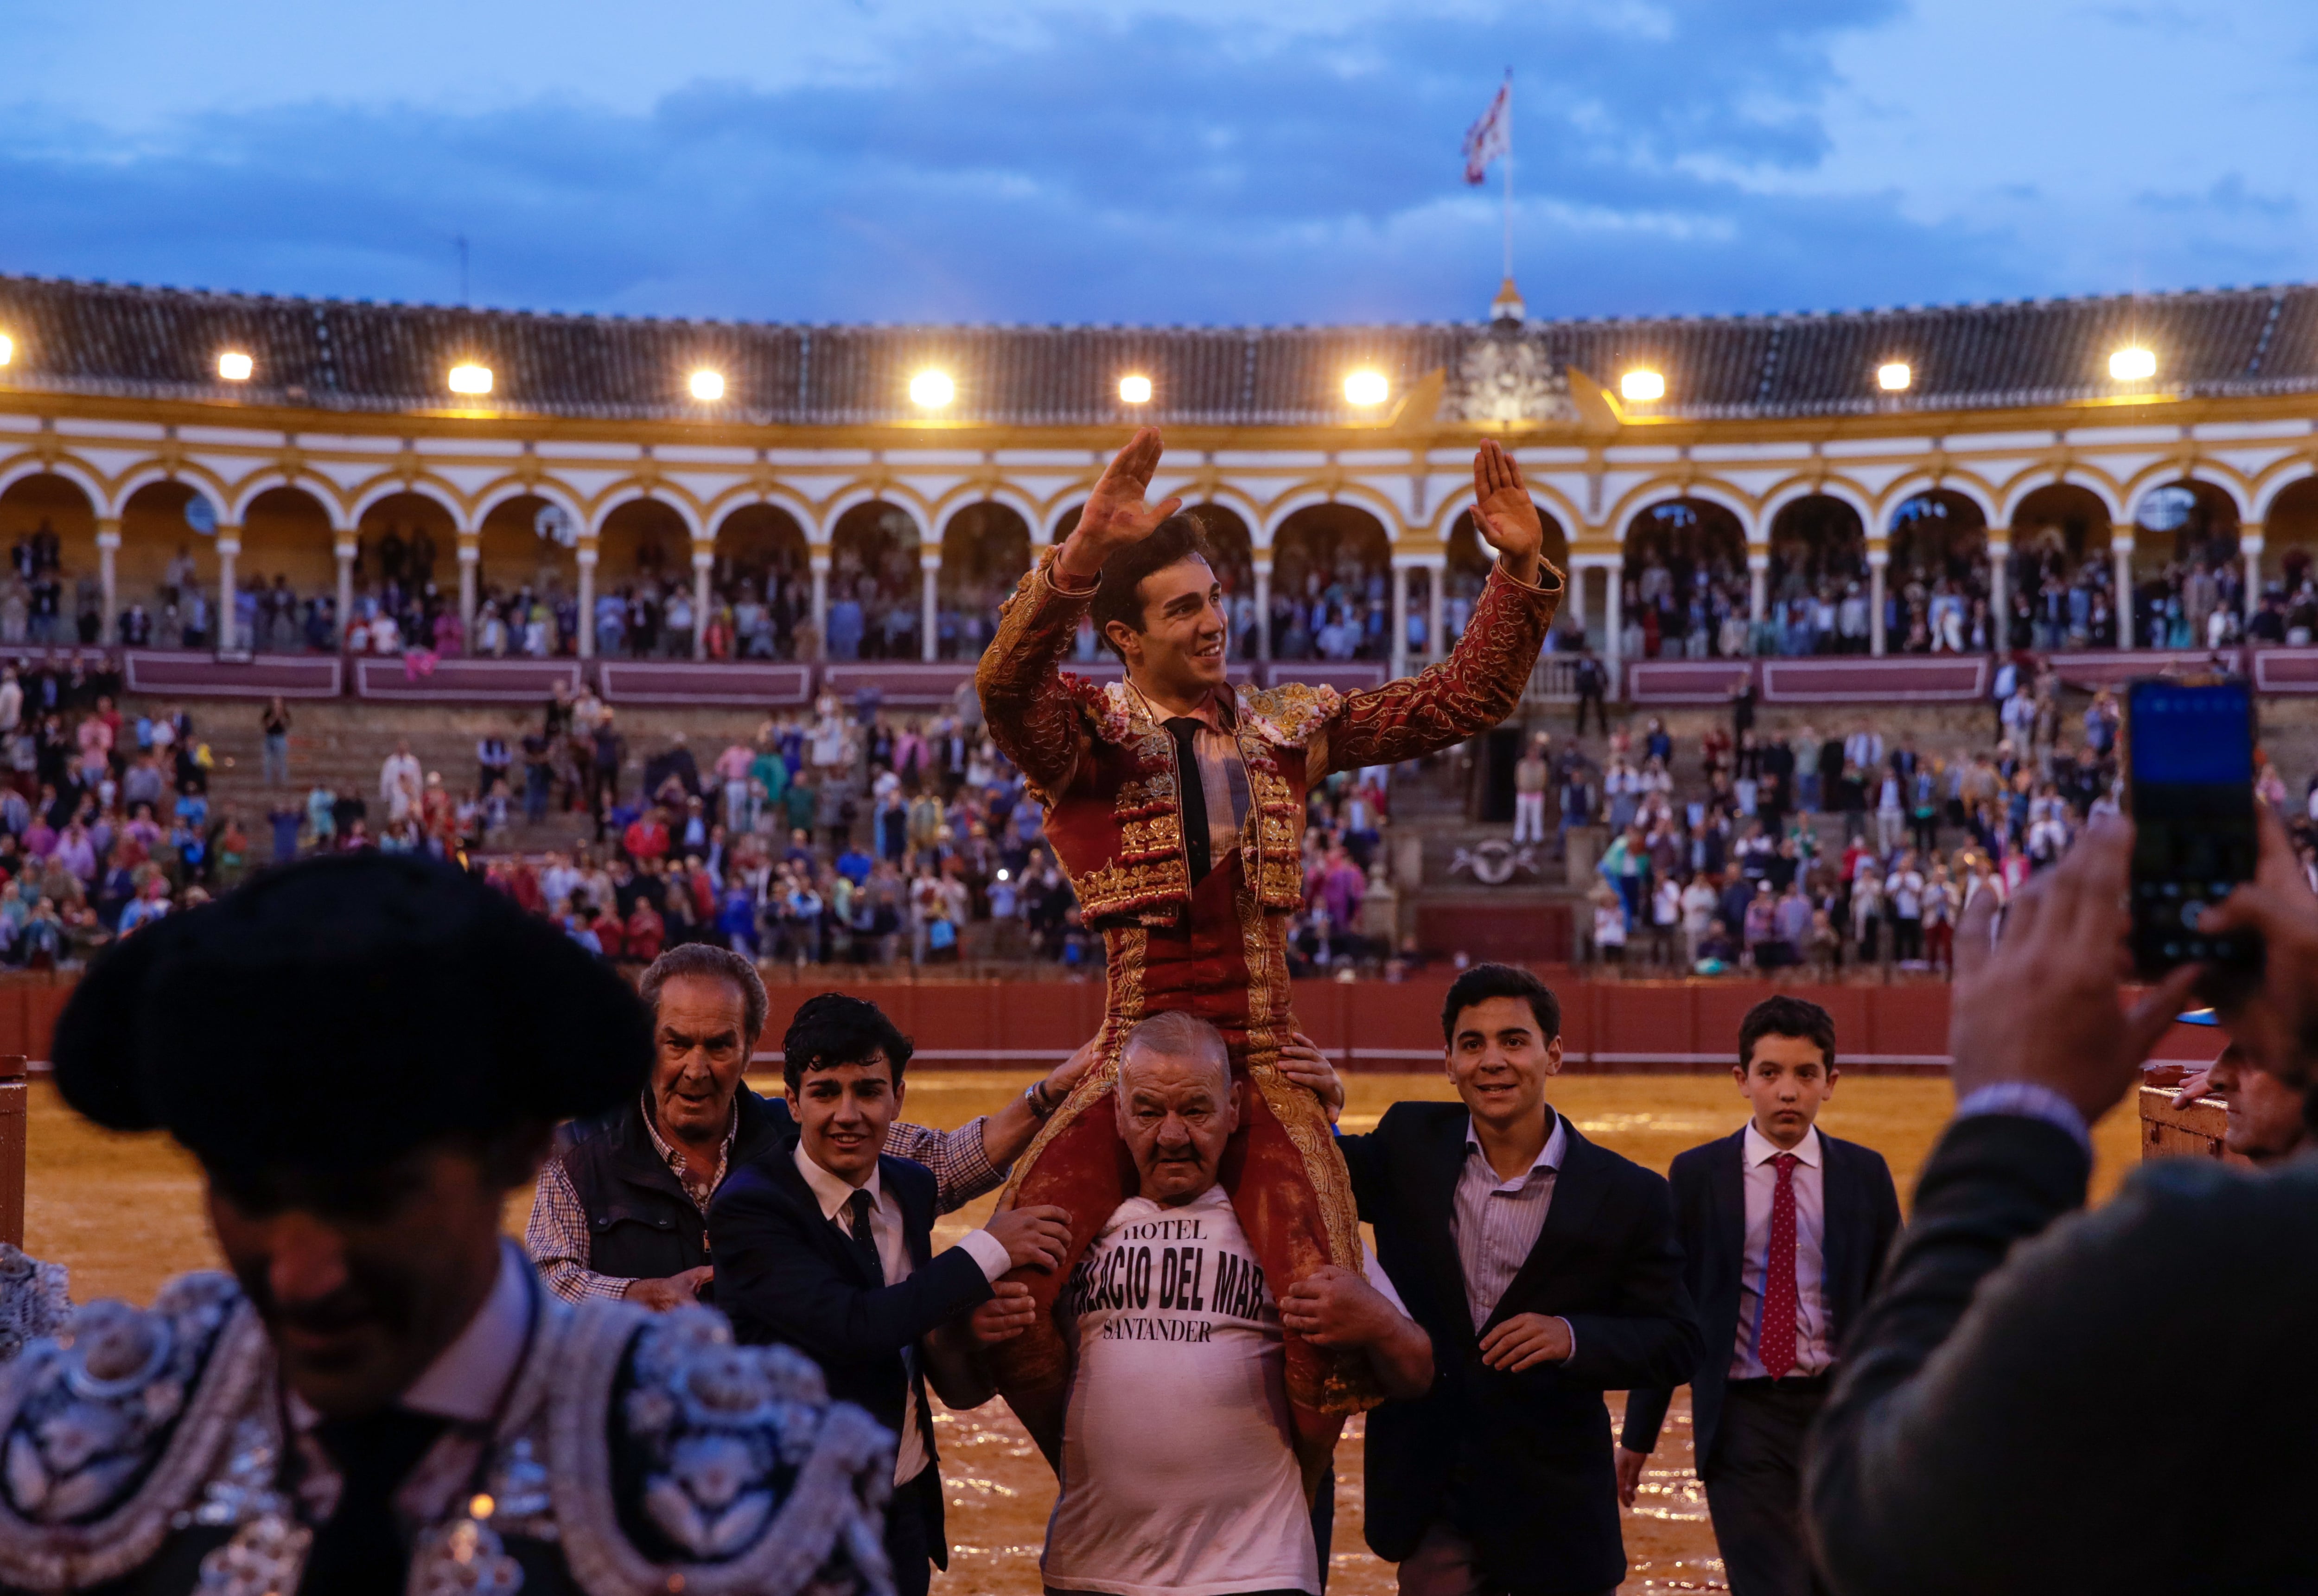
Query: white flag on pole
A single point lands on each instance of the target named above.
(1491, 136)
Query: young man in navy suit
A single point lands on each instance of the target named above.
(1784, 1228)
(1546, 1271)
(825, 1244)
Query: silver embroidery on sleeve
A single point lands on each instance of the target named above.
(109, 1430)
(35, 1300)
(763, 1486)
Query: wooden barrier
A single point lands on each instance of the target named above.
(11, 1149)
(2197, 1129)
(1607, 1026)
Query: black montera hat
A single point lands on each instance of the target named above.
(339, 1012)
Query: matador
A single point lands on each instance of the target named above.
(1176, 803)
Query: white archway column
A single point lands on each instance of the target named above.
(347, 549)
(471, 565)
(1576, 595)
(108, 576)
(2000, 597)
(586, 555)
(1613, 620)
(229, 548)
(2120, 554)
(1879, 563)
(2249, 546)
(818, 559)
(1399, 616)
(1436, 599)
(1758, 585)
(929, 603)
(704, 561)
(1263, 563)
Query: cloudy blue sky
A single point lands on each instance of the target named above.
(1161, 160)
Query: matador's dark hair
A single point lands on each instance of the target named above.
(1178, 537)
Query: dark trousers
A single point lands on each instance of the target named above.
(1753, 1486)
(909, 1532)
(1601, 715)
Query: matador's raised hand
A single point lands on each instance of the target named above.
(1504, 515)
(1115, 514)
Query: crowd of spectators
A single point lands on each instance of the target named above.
(1690, 598)
(105, 818)
(840, 835)
(1837, 848)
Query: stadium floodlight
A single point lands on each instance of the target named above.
(1894, 376)
(1135, 391)
(1367, 389)
(235, 366)
(1641, 387)
(2133, 365)
(707, 386)
(471, 378)
(931, 391)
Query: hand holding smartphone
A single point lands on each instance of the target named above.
(2189, 780)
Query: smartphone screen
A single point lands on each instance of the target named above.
(2190, 768)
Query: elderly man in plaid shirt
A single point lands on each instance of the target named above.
(620, 1210)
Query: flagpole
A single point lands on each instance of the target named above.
(1509, 174)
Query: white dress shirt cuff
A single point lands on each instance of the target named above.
(2027, 1099)
(989, 1252)
(1572, 1329)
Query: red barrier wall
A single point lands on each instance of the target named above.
(1606, 1025)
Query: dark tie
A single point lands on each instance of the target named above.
(865, 1240)
(1775, 1344)
(360, 1551)
(1192, 797)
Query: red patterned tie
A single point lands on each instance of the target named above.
(1775, 1342)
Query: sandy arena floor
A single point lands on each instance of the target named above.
(126, 1213)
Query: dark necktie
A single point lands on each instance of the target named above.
(865, 1240)
(1191, 799)
(360, 1551)
(1775, 1345)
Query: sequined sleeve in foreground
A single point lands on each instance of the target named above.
(1027, 706)
(1472, 690)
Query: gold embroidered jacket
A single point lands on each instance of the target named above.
(1105, 771)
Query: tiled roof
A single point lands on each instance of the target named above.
(91, 337)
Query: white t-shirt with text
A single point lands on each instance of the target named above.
(1178, 1471)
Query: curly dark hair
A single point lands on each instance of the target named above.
(1178, 537)
(831, 1030)
(1484, 982)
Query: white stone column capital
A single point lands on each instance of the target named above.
(704, 559)
(818, 559)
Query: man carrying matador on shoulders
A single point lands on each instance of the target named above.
(1176, 803)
